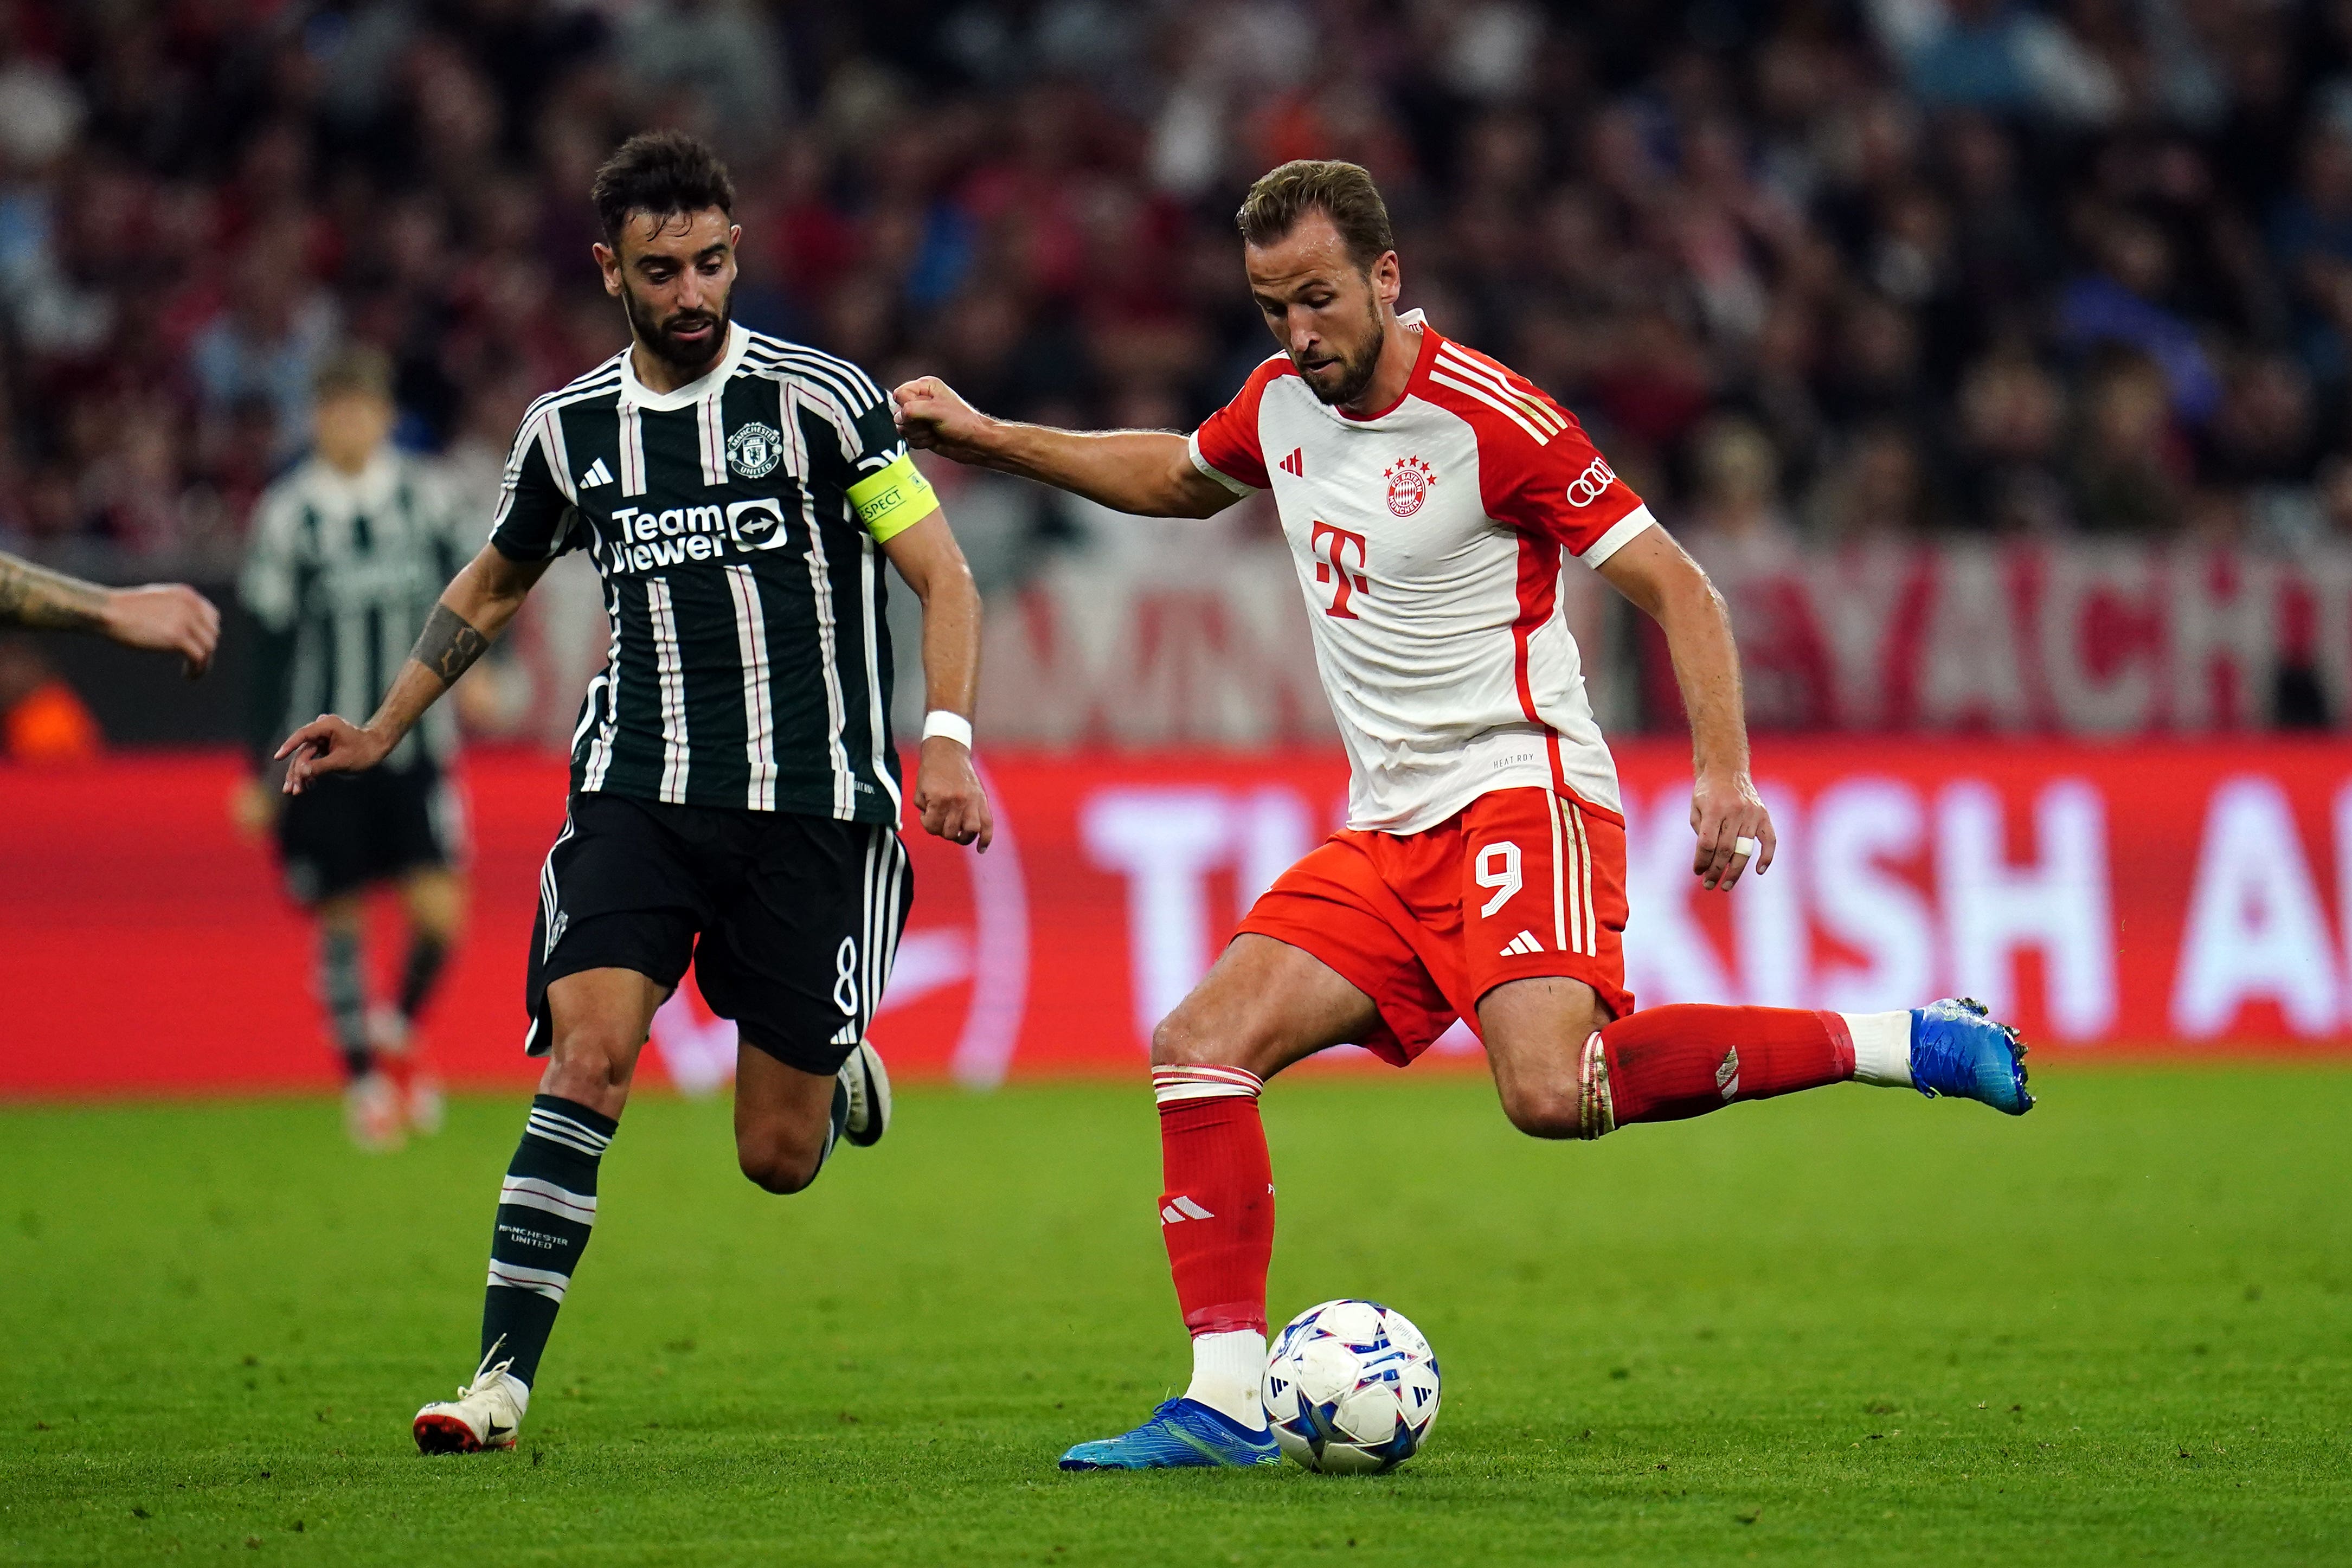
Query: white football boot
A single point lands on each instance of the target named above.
(868, 1084)
(373, 1113)
(483, 1414)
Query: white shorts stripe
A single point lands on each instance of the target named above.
(1560, 921)
(1590, 946)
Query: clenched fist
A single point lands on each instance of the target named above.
(934, 418)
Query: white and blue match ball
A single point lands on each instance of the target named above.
(1350, 1386)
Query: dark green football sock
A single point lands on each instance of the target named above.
(546, 1209)
(343, 989)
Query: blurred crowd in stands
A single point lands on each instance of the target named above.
(1809, 270)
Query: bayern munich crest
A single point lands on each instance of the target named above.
(1408, 480)
(754, 450)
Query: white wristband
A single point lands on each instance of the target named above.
(954, 726)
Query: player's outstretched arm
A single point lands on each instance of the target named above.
(474, 609)
(1147, 472)
(1667, 585)
(948, 792)
(168, 618)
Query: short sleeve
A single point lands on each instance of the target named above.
(533, 521)
(1559, 487)
(266, 585)
(1226, 447)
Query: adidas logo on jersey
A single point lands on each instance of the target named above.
(597, 474)
(1523, 944)
(1297, 462)
(1183, 1208)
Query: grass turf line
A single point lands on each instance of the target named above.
(1854, 1326)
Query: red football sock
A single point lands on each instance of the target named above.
(1217, 1214)
(1668, 1063)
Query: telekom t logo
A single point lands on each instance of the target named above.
(1334, 561)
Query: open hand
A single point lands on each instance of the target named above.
(948, 796)
(933, 417)
(328, 745)
(168, 618)
(1725, 808)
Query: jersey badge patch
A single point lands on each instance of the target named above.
(754, 450)
(1408, 480)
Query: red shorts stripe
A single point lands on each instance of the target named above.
(1521, 883)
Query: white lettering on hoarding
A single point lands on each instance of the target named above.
(2057, 903)
(2255, 928)
(1768, 912)
(1857, 825)
(1166, 843)
(1667, 957)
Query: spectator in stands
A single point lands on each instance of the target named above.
(267, 342)
(2123, 302)
(2009, 456)
(2130, 471)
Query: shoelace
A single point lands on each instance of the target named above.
(484, 1373)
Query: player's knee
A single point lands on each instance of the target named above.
(1545, 1110)
(775, 1167)
(1177, 1041)
(591, 1060)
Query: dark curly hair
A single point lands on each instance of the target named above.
(662, 172)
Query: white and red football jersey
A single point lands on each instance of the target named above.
(1428, 540)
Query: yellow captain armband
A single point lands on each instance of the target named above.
(893, 501)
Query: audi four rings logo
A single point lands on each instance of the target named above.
(1591, 484)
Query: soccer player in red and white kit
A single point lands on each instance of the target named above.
(1432, 499)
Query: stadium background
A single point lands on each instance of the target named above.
(1993, 359)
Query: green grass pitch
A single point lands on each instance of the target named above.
(1851, 1326)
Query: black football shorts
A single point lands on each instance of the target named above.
(791, 922)
(349, 831)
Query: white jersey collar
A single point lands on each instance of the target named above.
(633, 390)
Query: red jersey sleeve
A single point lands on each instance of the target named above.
(1226, 447)
(1538, 471)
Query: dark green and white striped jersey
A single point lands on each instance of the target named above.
(735, 521)
(341, 574)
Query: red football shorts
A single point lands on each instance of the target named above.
(1519, 883)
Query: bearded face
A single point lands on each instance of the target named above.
(1343, 370)
(684, 338)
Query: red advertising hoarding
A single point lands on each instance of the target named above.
(2181, 896)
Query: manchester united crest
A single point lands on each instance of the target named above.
(754, 450)
(1408, 480)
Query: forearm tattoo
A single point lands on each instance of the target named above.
(448, 645)
(50, 601)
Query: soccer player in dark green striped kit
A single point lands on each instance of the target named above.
(735, 789)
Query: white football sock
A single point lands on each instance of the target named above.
(1226, 1369)
(1882, 1047)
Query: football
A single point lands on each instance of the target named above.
(1350, 1386)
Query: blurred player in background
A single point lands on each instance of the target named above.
(1431, 498)
(735, 788)
(168, 618)
(349, 551)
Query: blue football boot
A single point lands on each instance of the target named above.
(1957, 1050)
(1182, 1432)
